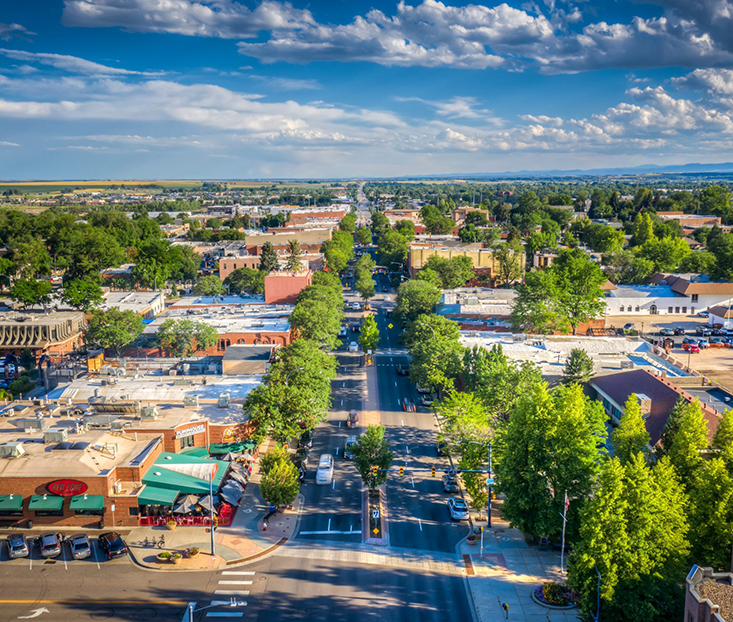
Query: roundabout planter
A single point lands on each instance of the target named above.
(163, 558)
(176, 558)
(556, 594)
(171, 525)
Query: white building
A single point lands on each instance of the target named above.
(146, 304)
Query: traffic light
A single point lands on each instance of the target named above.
(374, 471)
(432, 472)
(402, 471)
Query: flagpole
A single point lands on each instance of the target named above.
(564, 520)
(211, 510)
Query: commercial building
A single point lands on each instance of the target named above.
(241, 359)
(227, 265)
(146, 304)
(55, 334)
(283, 287)
(709, 595)
(657, 395)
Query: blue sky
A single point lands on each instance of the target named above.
(221, 89)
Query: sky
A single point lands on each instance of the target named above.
(218, 89)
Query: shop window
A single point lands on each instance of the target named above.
(187, 441)
(684, 309)
(50, 513)
(134, 511)
(8, 513)
(88, 513)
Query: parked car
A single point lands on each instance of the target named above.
(17, 546)
(355, 306)
(450, 483)
(353, 346)
(703, 314)
(716, 341)
(388, 313)
(352, 420)
(666, 332)
(301, 456)
(679, 330)
(423, 389)
(356, 328)
(426, 400)
(348, 445)
(112, 545)
(306, 439)
(49, 543)
(385, 289)
(703, 330)
(80, 547)
(629, 326)
(688, 340)
(691, 347)
(402, 370)
(458, 509)
(342, 331)
(703, 343)
(324, 474)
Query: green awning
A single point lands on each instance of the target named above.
(196, 452)
(236, 447)
(46, 503)
(151, 495)
(87, 502)
(184, 473)
(11, 503)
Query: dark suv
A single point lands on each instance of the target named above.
(112, 545)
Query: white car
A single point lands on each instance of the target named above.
(353, 347)
(342, 331)
(324, 474)
(355, 306)
(458, 509)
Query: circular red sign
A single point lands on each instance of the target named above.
(67, 487)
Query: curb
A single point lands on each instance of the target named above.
(467, 586)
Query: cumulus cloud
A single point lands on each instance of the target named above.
(8, 31)
(287, 84)
(224, 19)
(71, 64)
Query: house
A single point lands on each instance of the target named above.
(721, 314)
(146, 304)
(709, 595)
(483, 258)
(657, 396)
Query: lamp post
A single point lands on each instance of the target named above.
(291, 373)
(191, 609)
(214, 467)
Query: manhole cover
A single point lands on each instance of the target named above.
(148, 613)
(105, 613)
(262, 578)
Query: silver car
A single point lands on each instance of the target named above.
(17, 546)
(50, 544)
(458, 509)
(80, 547)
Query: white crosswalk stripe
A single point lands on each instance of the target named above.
(235, 582)
(232, 592)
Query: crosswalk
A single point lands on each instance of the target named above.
(233, 584)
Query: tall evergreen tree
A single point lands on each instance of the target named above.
(268, 258)
(579, 368)
(631, 437)
(295, 256)
(670, 427)
(723, 439)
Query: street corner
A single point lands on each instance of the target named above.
(192, 558)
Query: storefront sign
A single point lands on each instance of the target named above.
(228, 435)
(197, 429)
(67, 487)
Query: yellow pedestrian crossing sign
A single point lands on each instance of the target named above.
(376, 531)
(390, 325)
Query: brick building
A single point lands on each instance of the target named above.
(284, 287)
(709, 595)
(56, 333)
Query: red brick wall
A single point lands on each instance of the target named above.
(283, 288)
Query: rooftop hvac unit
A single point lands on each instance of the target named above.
(172, 372)
(224, 401)
(148, 412)
(191, 401)
(29, 425)
(55, 435)
(99, 420)
(11, 450)
(186, 368)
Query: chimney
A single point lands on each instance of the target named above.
(645, 405)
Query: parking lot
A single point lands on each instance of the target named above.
(65, 560)
(652, 323)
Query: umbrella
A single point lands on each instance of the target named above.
(186, 505)
(229, 457)
(239, 478)
(248, 456)
(231, 493)
(205, 502)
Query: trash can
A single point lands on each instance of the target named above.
(30, 524)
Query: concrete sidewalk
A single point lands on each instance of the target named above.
(245, 540)
(508, 572)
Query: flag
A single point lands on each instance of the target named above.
(567, 505)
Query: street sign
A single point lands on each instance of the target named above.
(375, 514)
(490, 481)
(375, 531)
(390, 325)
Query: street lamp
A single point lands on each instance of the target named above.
(489, 486)
(291, 373)
(434, 336)
(191, 607)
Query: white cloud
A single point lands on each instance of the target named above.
(542, 119)
(225, 19)
(7, 143)
(287, 84)
(456, 108)
(8, 31)
(72, 64)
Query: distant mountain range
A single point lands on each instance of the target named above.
(644, 169)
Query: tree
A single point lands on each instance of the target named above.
(391, 248)
(272, 457)
(365, 286)
(699, 262)
(631, 437)
(268, 258)
(579, 281)
(723, 439)
(666, 254)
(30, 292)
(435, 351)
(414, 298)
(369, 338)
(246, 280)
(454, 272)
(435, 222)
(722, 247)
(113, 329)
(373, 450)
(280, 486)
(670, 427)
(348, 222)
(185, 263)
(535, 309)
(181, 338)
(30, 257)
(406, 228)
(550, 446)
(364, 236)
(379, 223)
(327, 279)
(209, 286)
(579, 368)
(508, 258)
(643, 230)
(690, 439)
(83, 293)
(430, 276)
(295, 256)
(314, 319)
(331, 296)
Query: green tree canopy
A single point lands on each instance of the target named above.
(391, 248)
(113, 329)
(209, 286)
(314, 319)
(295, 256)
(268, 258)
(372, 449)
(579, 367)
(83, 293)
(246, 280)
(631, 437)
(369, 337)
(181, 338)
(280, 486)
(415, 298)
(31, 293)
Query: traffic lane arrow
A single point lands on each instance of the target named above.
(34, 614)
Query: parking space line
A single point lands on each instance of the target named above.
(63, 555)
(96, 555)
(420, 523)
(224, 614)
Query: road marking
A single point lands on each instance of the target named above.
(96, 555)
(337, 451)
(232, 592)
(235, 582)
(247, 573)
(339, 424)
(342, 402)
(34, 614)
(323, 533)
(420, 523)
(63, 555)
(413, 481)
(329, 524)
(333, 487)
(403, 423)
(344, 385)
(94, 602)
(224, 614)
(407, 449)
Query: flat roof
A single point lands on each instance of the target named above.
(244, 319)
(38, 318)
(132, 301)
(208, 301)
